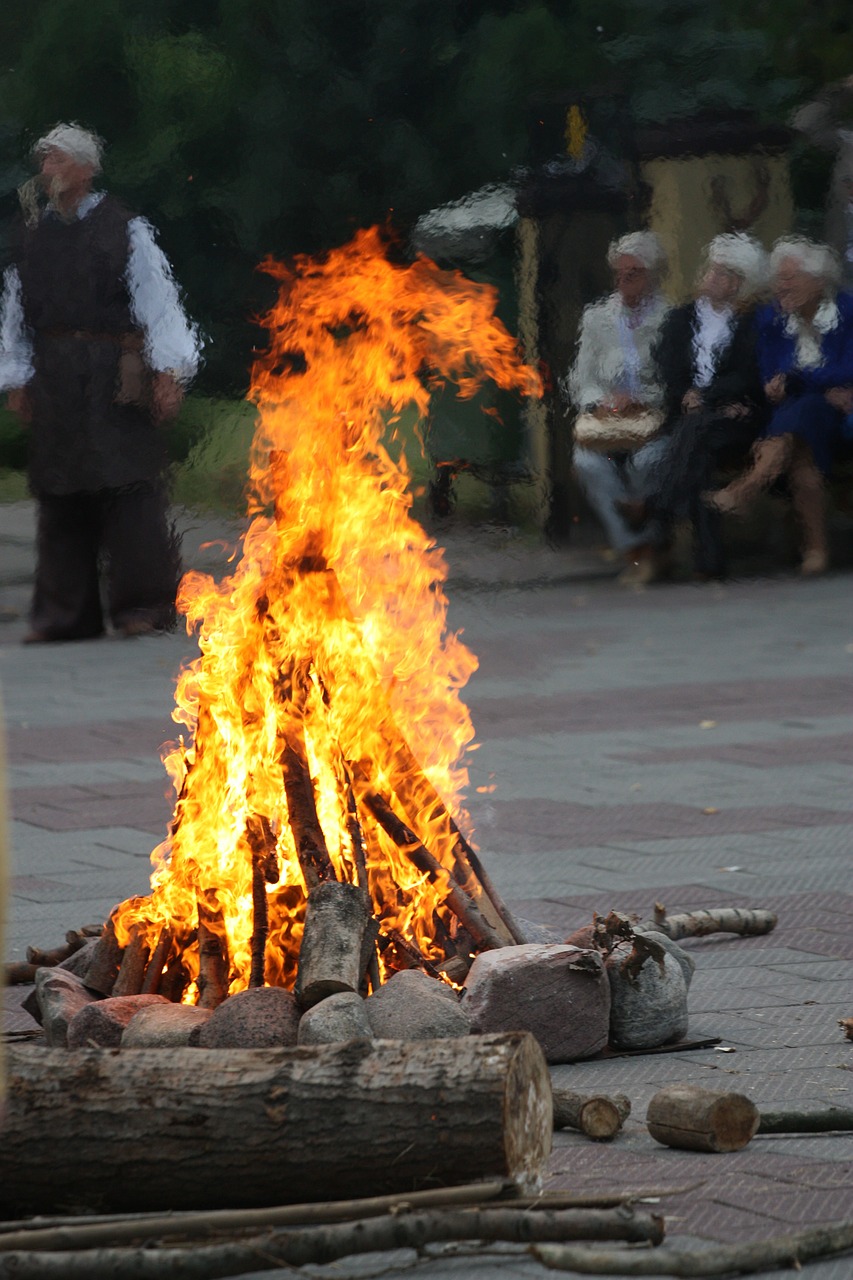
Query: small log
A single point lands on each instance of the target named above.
(332, 956)
(86, 931)
(212, 954)
(48, 959)
(17, 973)
(104, 965)
(698, 924)
(694, 1119)
(598, 1115)
(711, 1260)
(409, 951)
(157, 963)
(132, 969)
(331, 1121)
(832, 1120)
(846, 1025)
(319, 1245)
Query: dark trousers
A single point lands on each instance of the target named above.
(699, 444)
(106, 557)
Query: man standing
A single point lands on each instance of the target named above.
(95, 352)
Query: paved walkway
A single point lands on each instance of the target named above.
(689, 745)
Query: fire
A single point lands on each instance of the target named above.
(328, 682)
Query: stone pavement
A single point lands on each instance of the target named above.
(689, 745)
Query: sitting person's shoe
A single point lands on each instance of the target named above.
(645, 564)
(814, 563)
(726, 501)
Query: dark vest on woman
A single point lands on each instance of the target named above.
(86, 435)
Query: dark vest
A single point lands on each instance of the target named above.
(77, 307)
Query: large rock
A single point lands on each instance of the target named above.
(413, 1006)
(102, 1023)
(258, 1018)
(338, 1018)
(559, 993)
(164, 1026)
(78, 962)
(648, 995)
(61, 995)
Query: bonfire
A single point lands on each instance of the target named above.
(325, 736)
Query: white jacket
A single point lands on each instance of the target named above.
(612, 357)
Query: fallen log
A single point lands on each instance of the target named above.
(234, 1128)
(698, 924)
(694, 1119)
(715, 1260)
(597, 1115)
(17, 973)
(321, 1245)
(832, 1120)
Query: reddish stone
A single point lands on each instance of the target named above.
(102, 1024)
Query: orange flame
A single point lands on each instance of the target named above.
(333, 625)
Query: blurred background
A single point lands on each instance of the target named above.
(511, 140)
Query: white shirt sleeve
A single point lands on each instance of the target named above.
(171, 341)
(16, 348)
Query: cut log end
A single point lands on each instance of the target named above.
(695, 1119)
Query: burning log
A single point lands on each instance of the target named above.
(212, 954)
(261, 840)
(694, 1119)
(330, 1121)
(597, 1115)
(106, 959)
(464, 908)
(157, 963)
(132, 969)
(332, 956)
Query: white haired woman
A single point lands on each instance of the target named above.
(713, 397)
(614, 386)
(805, 354)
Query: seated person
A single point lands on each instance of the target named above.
(614, 380)
(713, 397)
(805, 355)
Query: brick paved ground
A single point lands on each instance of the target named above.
(687, 744)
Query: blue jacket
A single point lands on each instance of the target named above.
(776, 351)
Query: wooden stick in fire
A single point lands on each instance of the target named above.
(261, 840)
(311, 850)
(464, 908)
(212, 953)
(468, 870)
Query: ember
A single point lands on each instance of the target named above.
(326, 730)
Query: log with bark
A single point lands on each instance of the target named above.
(321, 1245)
(332, 957)
(832, 1120)
(231, 1128)
(598, 1115)
(694, 1119)
(698, 924)
(715, 1260)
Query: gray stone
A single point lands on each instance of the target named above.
(686, 961)
(560, 993)
(102, 1023)
(78, 962)
(334, 1020)
(163, 1026)
(61, 995)
(648, 1008)
(258, 1018)
(533, 931)
(413, 1006)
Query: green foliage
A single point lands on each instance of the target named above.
(248, 127)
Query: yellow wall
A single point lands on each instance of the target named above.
(692, 197)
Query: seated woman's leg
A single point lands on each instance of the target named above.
(808, 498)
(771, 457)
(604, 487)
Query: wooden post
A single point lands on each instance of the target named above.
(331, 957)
